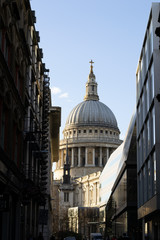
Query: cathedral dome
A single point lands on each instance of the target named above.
(91, 113)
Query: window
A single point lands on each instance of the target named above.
(79, 131)
(139, 123)
(145, 59)
(111, 132)
(84, 131)
(18, 81)
(96, 131)
(150, 41)
(66, 196)
(153, 129)
(74, 132)
(92, 88)
(147, 96)
(90, 130)
(106, 132)
(101, 131)
(138, 84)
(147, 136)
(154, 173)
(151, 83)
(96, 161)
(140, 152)
(149, 180)
(142, 107)
(152, 124)
(144, 147)
(144, 187)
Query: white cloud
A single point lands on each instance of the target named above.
(64, 95)
(55, 90)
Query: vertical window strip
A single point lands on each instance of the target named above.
(149, 180)
(155, 173)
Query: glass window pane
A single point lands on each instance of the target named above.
(148, 135)
(149, 180)
(153, 116)
(155, 173)
(145, 183)
(151, 79)
(138, 84)
(150, 42)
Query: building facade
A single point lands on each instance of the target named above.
(24, 126)
(118, 189)
(148, 137)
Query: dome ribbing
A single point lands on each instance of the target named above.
(91, 113)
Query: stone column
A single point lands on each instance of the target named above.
(96, 193)
(94, 157)
(72, 162)
(100, 156)
(86, 158)
(79, 157)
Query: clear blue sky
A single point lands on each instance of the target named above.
(111, 33)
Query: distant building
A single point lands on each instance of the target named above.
(91, 134)
(148, 129)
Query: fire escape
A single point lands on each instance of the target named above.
(36, 141)
(45, 133)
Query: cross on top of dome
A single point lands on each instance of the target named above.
(91, 62)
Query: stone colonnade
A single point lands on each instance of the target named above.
(85, 156)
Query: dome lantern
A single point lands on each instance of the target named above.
(91, 86)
